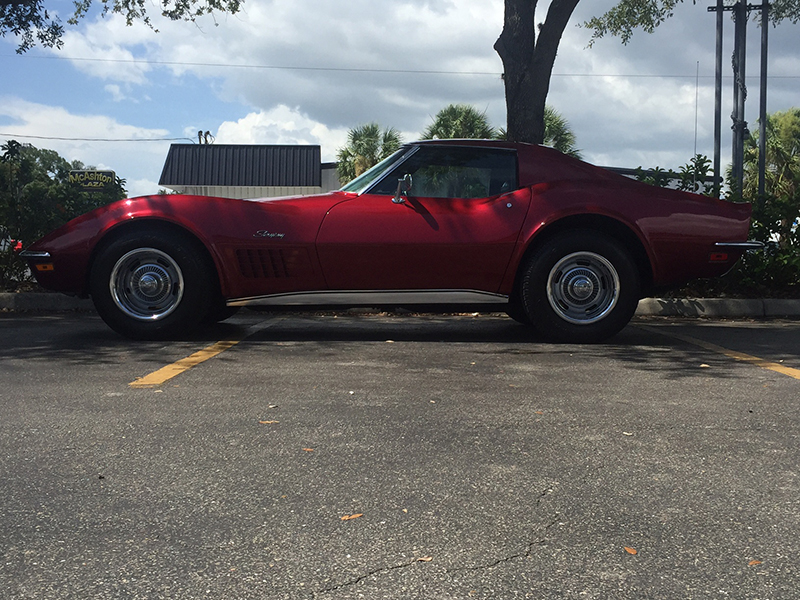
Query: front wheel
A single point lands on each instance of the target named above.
(580, 287)
(151, 285)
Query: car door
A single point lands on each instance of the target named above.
(454, 229)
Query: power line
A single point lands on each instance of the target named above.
(68, 139)
(265, 67)
(135, 61)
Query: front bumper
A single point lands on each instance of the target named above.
(34, 255)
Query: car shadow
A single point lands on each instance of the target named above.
(84, 339)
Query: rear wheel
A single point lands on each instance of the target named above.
(581, 287)
(150, 285)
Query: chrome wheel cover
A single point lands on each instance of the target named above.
(146, 284)
(583, 288)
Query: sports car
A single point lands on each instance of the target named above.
(560, 245)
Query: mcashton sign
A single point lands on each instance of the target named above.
(92, 180)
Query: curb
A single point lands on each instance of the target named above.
(648, 307)
(40, 301)
(718, 307)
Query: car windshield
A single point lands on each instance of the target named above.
(363, 181)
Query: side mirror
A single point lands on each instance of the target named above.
(403, 187)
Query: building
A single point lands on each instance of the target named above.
(247, 170)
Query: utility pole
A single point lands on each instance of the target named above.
(739, 92)
(740, 10)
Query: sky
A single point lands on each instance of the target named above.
(306, 71)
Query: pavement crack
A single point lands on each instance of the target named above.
(357, 580)
(528, 550)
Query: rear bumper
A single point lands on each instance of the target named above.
(744, 246)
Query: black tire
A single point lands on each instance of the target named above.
(516, 310)
(580, 287)
(152, 284)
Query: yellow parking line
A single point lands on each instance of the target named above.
(157, 378)
(755, 360)
(164, 374)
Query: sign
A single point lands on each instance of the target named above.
(93, 180)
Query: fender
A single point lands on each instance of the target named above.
(550, 214)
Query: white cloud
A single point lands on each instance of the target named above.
(38, 119)
(106, 49)
(281, 125)
(115, 91)
(142, 187)
(293, 53)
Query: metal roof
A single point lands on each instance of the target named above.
(242, 165)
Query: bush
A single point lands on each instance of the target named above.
(35, 198)
(13, 270)
(774, 271)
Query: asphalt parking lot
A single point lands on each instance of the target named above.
(397, 456)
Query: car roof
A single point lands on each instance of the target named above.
(537, 163)
(472, 142)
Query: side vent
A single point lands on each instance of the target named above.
(266, 264)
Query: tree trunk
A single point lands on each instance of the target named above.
(528, 63)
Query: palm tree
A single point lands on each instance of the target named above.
(367, 145)
(459, 121)
(782, 156)
(557, 133)
(779, 209)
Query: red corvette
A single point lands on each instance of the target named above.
(559, 244)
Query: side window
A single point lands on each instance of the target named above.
(455, 172)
